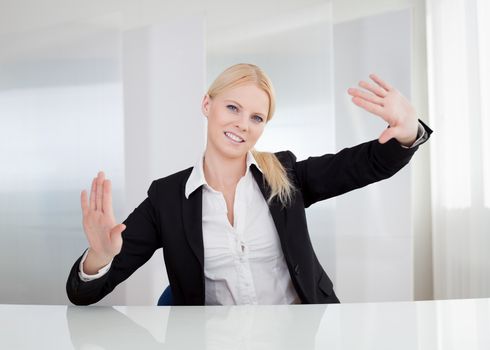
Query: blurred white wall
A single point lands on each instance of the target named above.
(141, 72)
(458, 49)
(62, 120)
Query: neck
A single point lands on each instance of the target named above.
(222, 172)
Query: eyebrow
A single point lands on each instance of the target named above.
(261, 114)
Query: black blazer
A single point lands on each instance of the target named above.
(166, 219)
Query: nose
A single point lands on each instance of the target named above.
(242, 122)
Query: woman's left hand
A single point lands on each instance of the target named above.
(388, 103)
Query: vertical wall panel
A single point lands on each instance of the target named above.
(61, 121)
(373, 229)
(163, 70)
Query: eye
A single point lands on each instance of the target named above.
(255, 117)
(258, 118)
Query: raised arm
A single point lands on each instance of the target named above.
(127, 246)
(329, 175)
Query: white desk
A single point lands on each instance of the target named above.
(447, 324)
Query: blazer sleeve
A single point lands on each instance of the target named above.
(329, 175)
(140, 240)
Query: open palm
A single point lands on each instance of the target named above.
(388, 103)
(99, 224)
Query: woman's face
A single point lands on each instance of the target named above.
(236, 119)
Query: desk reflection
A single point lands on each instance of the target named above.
(211, 327)
(421, 325)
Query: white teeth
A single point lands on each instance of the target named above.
(231, 136)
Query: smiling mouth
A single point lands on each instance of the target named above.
(234, 137)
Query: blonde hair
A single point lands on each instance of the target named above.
(274, 173)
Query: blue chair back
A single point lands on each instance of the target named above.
(166, 299)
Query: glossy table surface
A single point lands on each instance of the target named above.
(443, 324)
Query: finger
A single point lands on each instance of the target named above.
(369, 106)
(367, 96)
(92, 194)
(98, 197)
(84, 202)
(378, 91)
(386, 135)
(381, 82)
(107, 198)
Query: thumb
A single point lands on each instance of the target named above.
(387, 135)
(117, 231)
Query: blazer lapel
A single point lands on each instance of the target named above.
(192, 219)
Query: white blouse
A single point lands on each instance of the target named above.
(243, 263)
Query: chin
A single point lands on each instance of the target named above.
(234, 151)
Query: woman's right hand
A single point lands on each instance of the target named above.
(99, 224)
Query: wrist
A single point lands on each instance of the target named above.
(407, 142)
(94, 262)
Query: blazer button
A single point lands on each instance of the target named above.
(296, 269)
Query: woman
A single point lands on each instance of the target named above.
(233, 227)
